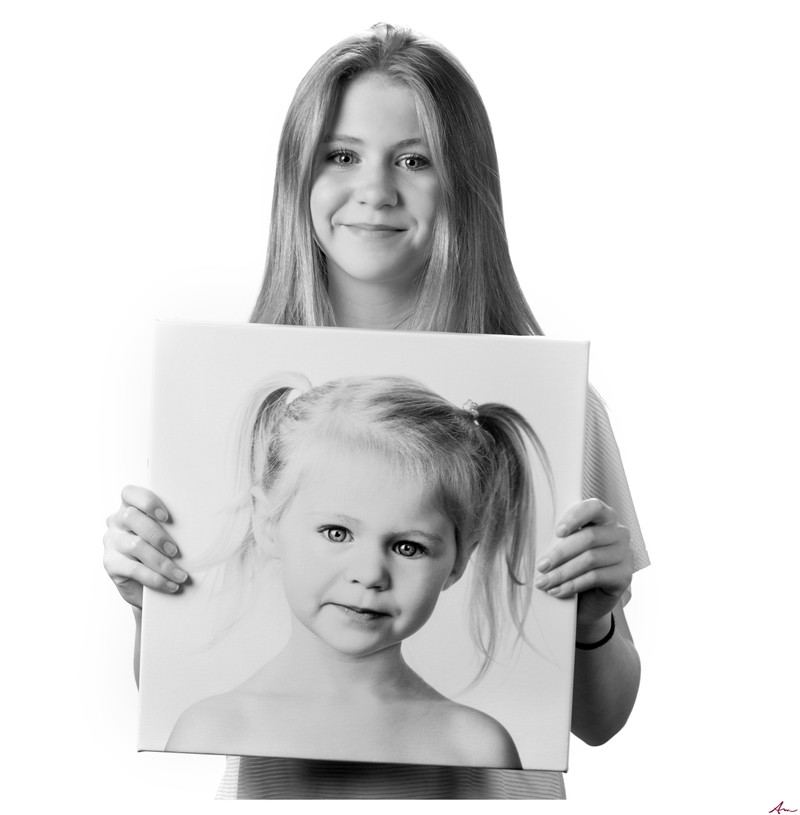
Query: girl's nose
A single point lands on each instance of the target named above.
(376, 187)
(367, 566)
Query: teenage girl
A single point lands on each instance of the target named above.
(374, 493)
(387, 215)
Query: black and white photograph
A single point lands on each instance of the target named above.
(399, 198)
(362, 536)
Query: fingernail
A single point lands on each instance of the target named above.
(172, 586)
(561, 530)
(179, 575)
(161, 515)
(540, 582)
(170, 549)
(555, 591)
(543, 565)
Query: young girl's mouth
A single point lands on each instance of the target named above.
(375, 230)
(360, 614)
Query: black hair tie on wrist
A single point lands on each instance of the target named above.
(592, 645)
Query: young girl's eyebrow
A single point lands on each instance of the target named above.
(429, 537)
(345, 520)
(414, 141)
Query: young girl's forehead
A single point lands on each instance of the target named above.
(321, 459)
(354, 97)
(337, 457)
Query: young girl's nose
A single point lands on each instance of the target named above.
(376, 187)
(367, 566)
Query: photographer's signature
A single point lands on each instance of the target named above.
(781, 808)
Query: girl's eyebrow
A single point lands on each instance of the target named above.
(345, 520)
(429, 537)
(412, 142)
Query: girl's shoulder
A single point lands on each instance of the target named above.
(479, 738)
(203, 725)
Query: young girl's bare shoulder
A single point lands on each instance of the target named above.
(481, 741)
(207, 724)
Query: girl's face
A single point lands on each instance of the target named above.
(364, 554)
(374, 198)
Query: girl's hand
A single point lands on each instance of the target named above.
(592, 559)
(138, 552)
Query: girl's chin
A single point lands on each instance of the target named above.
(387, 274)
(358, 645)
(355, 652)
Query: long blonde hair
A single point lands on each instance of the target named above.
(468, 284)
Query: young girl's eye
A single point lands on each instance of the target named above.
(409, 549)
(413, 162)
(341, 158)
(336, 534)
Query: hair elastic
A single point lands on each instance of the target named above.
(471, 408)
(592, 645)
(292, 394)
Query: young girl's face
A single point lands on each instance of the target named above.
(375, 195)
(364, 554)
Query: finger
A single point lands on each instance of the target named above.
(123, 570)
(600, 557)
(135, 521)
(612, 580)
(590, 511)
(146, 501)
(586, 538)
(135, 548)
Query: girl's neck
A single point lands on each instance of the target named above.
(307, 661)
(379, 306)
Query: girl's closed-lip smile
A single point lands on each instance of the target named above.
(374, 231)
(360, 614)
(376, 227)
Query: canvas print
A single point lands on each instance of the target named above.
(360, 513)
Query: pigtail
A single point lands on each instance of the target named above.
(234, 565)
(259, 458)
(505, 553)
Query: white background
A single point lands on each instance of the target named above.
(651, 173)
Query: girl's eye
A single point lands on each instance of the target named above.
(409, 549)
(341, 158)
(413, 162)
(336, 534)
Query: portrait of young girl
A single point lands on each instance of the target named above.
(368, 568)
(373, 494)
